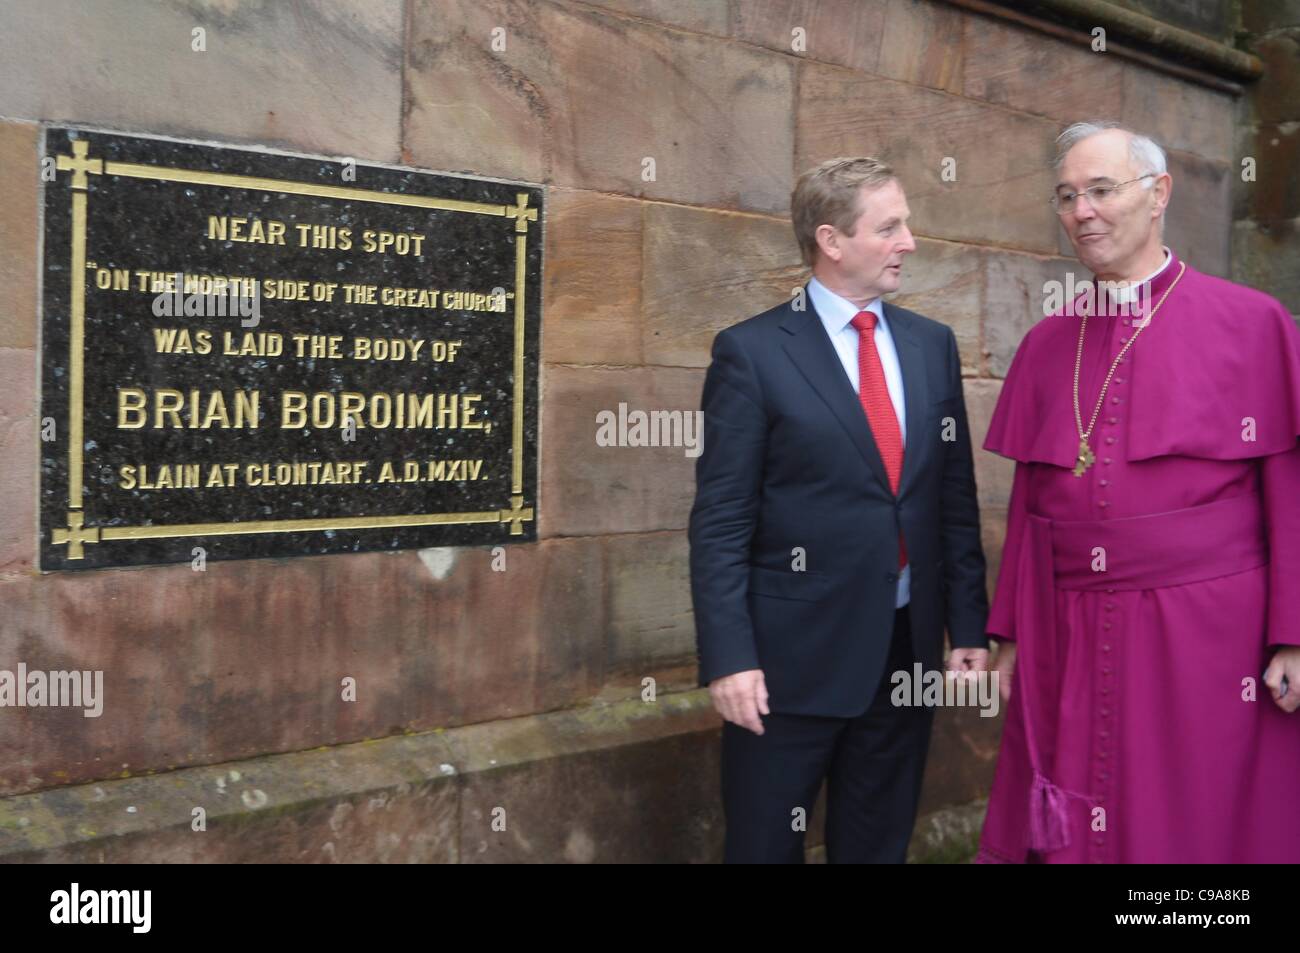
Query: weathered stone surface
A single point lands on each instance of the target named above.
(633, 782)
(998, 195)
(1260, 17)
(19, 190)
(1199, 210)
(993, 474)
(1017, 288)
(431, 639)
(1274, 99)
(1160, 106)
(592, 311)
(1275, 191)
(705, 271)
(1024, 69)
(410, 799)
(964, 749)
(19, 460)
(698, 16)
(651, 622)
(918, 45)
(844, 32)
(944, 281)
(324, 76)
(582, 98)
(589, 489)
(1266, 255)
(993, 534)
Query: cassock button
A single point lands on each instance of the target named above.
(1110, 592)
(1106, 670)
(1105, 483)
(1114, 400)
(1110, 439)
(1109, 606)
(1119, 380)
(1105, 690)
(1099, 841)
(1106, 648)
(1103, 503)
(1108, 461)
(1106, 626)
(1105, 712)
(1112, 420)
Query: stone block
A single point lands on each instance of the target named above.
(972, 172)
(19, 234)
(705, 271)
(1159, 106)
(1198, 222)
(592, 303)
(1025, 70)
(1017, 290)
(19, 459)
(590, 489)
(250, 656)
(651, 622)
(944, 281)
(1266, 256)
(583, 99)
(321, 76)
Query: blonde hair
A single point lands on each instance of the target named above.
(830, 195)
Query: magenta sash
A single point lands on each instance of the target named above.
(1141, 552)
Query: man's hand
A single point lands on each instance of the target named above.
(1286, 662)
(968, 660)
(1005, 665)
(740, 698)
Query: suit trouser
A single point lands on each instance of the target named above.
(873, 765)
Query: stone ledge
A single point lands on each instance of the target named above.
(400, 799)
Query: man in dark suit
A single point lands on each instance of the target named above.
(835, 533)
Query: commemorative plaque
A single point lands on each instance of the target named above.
(247, 354)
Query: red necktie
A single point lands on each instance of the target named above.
(873, 392)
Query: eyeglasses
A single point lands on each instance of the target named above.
(1064, 202)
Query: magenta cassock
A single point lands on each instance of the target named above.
(1144, 595)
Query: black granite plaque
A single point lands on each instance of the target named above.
(247, 354)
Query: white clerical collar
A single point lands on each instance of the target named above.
(836, 312)
(1130, 291)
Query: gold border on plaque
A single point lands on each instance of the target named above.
(77, 534)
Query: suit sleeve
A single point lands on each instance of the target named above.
(728, 481)
(1280, 476)
(1001, 620)
(963, 554)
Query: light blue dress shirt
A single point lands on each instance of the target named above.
(837, 315)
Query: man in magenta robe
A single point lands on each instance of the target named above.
(1147, 607)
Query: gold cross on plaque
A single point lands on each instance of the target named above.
(79, 165)
(521, 213)
(76, 534)
(515, 514)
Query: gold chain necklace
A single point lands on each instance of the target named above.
(1086, 458)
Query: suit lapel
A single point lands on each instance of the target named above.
(814, 355)
(911, 360)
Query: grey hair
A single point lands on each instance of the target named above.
(1146, 154)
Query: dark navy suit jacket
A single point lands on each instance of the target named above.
(789, 463)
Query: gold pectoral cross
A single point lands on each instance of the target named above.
(1086, 459)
